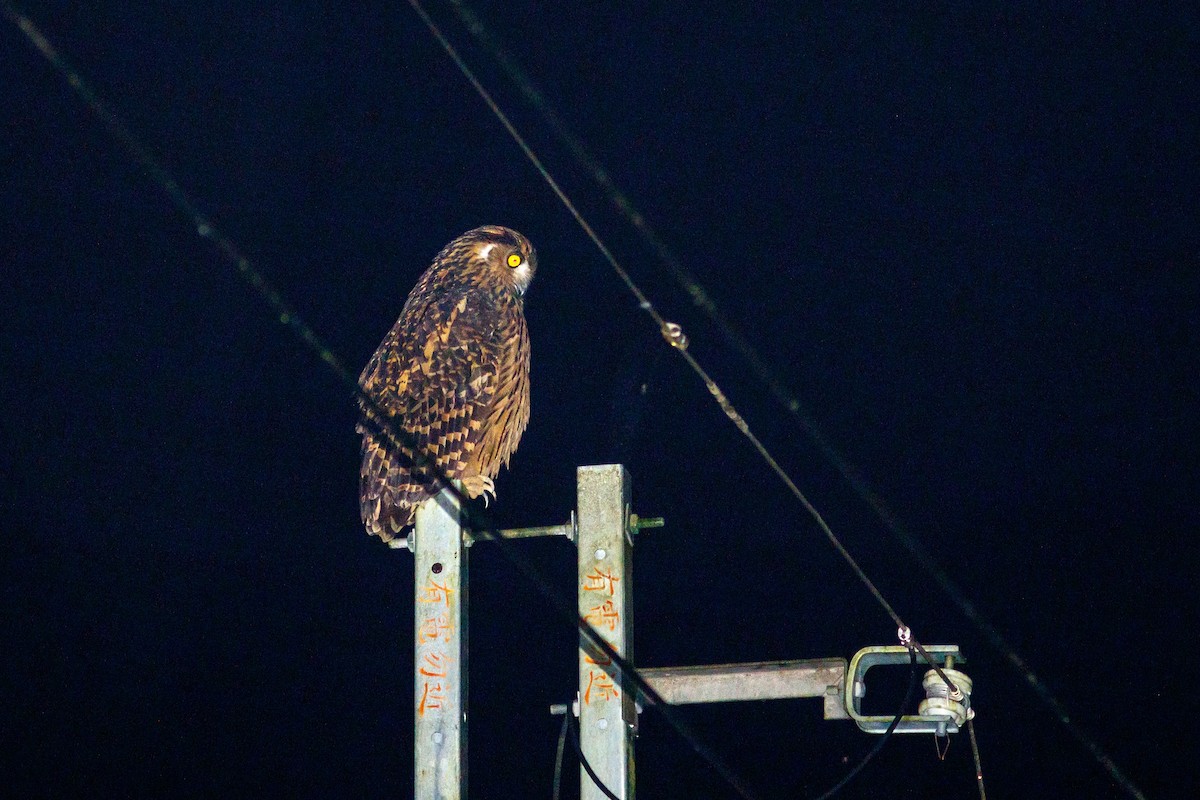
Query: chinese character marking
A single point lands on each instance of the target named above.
(435, 629)
(604, 615)
(436, 593)
(598, 581)
(435, 665)
(432, 697)
(602, 685)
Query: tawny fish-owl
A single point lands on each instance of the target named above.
(452, 373)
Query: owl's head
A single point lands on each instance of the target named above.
(506, 254)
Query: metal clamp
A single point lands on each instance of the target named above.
(938, 714)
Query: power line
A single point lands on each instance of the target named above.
(676, 338)
(777, 387)
(288, 317)
(375, 416)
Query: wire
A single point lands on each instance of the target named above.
(558, 755)
(908, 696)
(375, 416)
(570, 723)
(669, 330)
(975, 755)
(396, 437)
(379, 421)
(777, 387)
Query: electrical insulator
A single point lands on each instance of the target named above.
(951, 710)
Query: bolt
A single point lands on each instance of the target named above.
(600, 554)
(437, 737)
(602, 724)
(437, 567)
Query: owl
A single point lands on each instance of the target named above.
(453, 374)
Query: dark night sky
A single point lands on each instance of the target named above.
(966, 237)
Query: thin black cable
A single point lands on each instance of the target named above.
(777, 386)
(572, 724)
(374, 415)
(908, 696)
(376, 418)
(558, 755)
(975, 756)
(672, 333)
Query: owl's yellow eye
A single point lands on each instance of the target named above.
(515, 260)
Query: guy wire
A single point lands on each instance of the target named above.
(374, 415)
(779, 390)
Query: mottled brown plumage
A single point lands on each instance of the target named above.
(453, 373)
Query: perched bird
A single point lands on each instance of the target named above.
(453, 374)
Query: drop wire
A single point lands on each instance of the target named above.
(777, 387)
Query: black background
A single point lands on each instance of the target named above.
(966, 236)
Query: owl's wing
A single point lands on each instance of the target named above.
(435, 375)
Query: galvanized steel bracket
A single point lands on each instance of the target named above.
(856, 689)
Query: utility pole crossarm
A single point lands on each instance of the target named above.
(762, 680)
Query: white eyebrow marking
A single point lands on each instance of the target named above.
(487, 248)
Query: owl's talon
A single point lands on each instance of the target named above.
(477, 485)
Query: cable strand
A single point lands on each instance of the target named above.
(289, 318)
(669, 330)
(558, 755)
(908, 696)
(572, 726)
(373, 415)
(777, 387)
(975, 756)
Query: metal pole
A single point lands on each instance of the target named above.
(440, 624)
(607, 714)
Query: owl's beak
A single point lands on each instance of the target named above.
(522, 276)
